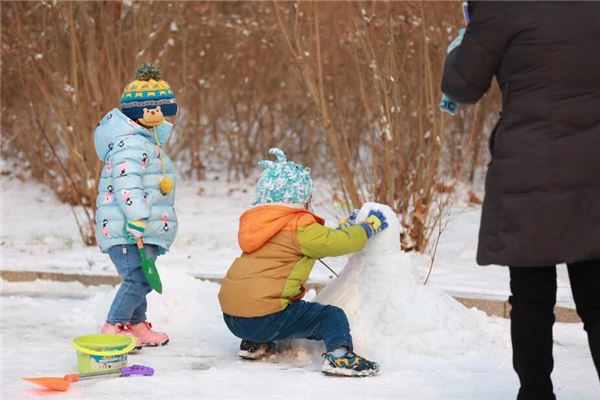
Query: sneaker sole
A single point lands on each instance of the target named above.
(257, 355)
(155, 344)
(348, 373)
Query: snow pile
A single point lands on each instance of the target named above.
(184, 309)
(392, 315)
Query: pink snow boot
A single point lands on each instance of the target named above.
(147, 337)
(121, 329)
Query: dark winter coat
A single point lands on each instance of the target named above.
(542, 203)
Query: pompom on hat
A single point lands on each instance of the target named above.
(283, 181)
(148, 91)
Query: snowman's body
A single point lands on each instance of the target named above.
(392, 315)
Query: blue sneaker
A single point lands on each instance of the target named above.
(350, 364)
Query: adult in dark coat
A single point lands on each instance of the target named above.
(542, 203)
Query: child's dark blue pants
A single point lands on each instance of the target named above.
(300, 320)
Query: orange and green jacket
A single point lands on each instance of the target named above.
(280, 245)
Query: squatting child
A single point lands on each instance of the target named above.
(136, 196)
(281, 240)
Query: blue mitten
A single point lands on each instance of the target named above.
(374, 223)
(348, 220)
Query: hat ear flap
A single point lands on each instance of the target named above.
(279, 154)
(265, 164)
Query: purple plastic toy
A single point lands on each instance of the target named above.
(137, 370)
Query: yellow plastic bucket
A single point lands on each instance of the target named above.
(102, 353)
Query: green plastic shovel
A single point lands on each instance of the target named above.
(149, 268)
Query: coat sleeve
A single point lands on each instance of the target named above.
(470, 67)
(318, 241)
(127, 174)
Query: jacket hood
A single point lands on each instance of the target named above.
(116, 124)
(259, 224)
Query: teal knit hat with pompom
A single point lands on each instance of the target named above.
(283, 181)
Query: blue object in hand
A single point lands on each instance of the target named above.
(447, 105)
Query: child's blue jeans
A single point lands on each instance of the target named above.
(300, 320)
(130, 304)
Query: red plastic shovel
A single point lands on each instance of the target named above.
(64, 383)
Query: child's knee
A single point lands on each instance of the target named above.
(336, 312)
(140, 286)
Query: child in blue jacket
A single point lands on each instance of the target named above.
(136, 196)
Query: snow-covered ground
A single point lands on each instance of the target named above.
(201, 361)
(430, 346)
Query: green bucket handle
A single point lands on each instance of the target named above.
(111, 353)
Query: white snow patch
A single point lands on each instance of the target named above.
(45, 288)
(201, 362)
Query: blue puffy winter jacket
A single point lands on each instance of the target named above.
(129, 184)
